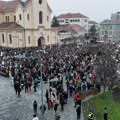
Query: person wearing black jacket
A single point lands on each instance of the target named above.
(56, 107)
(79, 102)
(35, 107)
(105, 113)
(47, 96)
(78, 110)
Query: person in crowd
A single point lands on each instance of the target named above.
(105, 115)
(47, 95)
(56, 105)
(35, 117)
(43, 108)
(78, 110)
(75, 100)
(35, 107)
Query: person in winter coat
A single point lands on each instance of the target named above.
(47, 96)
(56, 107)
(78, 110)
(62, 102)
(75, 100)
(35, 117)
(105, 113)
(35, 107)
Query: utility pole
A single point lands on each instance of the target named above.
(41, 83)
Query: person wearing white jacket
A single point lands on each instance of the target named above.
(35, 117)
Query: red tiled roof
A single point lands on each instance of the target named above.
(8, 6)
(77, 28)
(92, 22)
(73, 28)
(71, 15)
(10, 25)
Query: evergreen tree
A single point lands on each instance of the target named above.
(55, 22)
(92, 32)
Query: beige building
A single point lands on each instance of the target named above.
(26, 24)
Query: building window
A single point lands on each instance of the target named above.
(28, 17)
(20, 16)
(78, 20)
(118, 17)
(85, 20)
(3, 39)
(110, 27)
(48, 18)
(29, 40)
(6, 18)
(66, 21)
(110, 32)
(40, 17)
(10, 38)
(14, 18)
(40, 1)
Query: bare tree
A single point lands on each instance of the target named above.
(106, 68)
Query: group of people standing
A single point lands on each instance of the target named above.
(72, 63)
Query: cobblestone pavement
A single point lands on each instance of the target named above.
(12, 107)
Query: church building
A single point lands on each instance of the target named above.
(26, 24)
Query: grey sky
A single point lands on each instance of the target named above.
(97, 10)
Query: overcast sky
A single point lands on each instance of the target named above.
(97, 10)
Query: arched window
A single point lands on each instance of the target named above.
(3, 39)
(10, 38)
(29, 40)
(8, 18)
(20, 16)
(14, 18)
(40, 17)
(28, 17)
(40, 1)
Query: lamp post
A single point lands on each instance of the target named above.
(41, 83)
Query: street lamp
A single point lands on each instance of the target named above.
(41, 83)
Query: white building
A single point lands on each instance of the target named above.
(74, 18)
(26, 24)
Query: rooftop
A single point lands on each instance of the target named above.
(10, 6)
(10, 25)
(72, 15)
(92, 22)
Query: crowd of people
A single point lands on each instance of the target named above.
(71, 64)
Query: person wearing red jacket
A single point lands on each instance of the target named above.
(75, 100)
